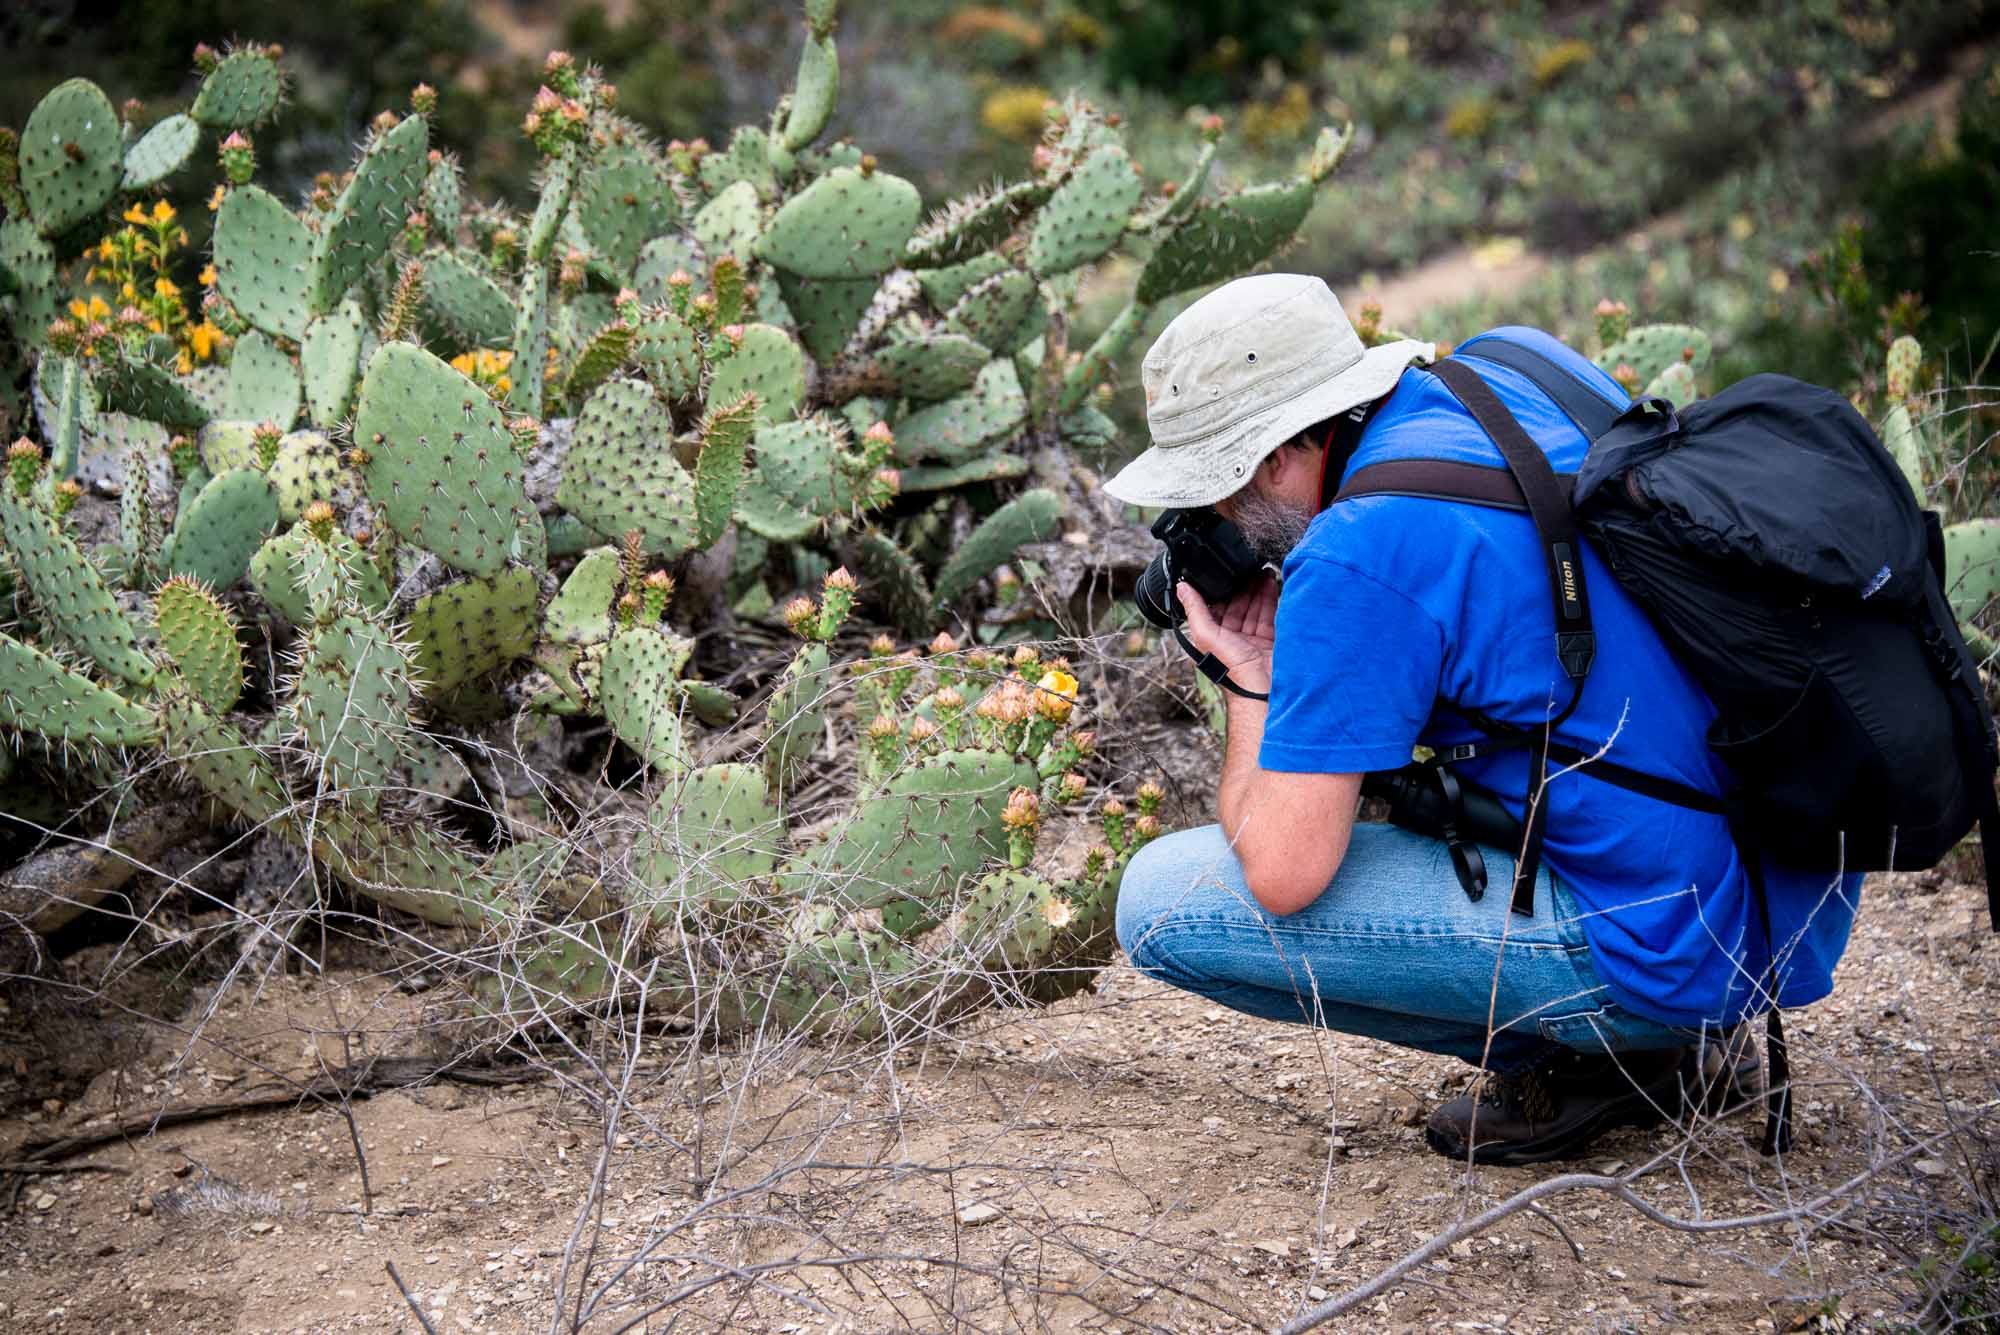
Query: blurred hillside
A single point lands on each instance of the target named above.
(1513, 160)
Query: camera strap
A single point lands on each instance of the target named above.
(1215, 669)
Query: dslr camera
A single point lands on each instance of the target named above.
(1203, 548)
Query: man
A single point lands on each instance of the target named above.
(1398, 617)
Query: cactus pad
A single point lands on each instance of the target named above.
(467, 629)
(1008, 921)
(1675, 384)
(72, 156)
(263, 383)
(308, 468)
(932, 826)
(798, 481)
(747, 161)
(1972, 566)
(669, 352)
(274, 574)
(768, 364)
(796, 713)
(1086, 215)
(1033, 516)
(1651, 349)
(227, 444)
(444, 197)
(350, 705)
(827, 311)
(961, 426)
(263, 260)
(814, 92)
(464, 308)
(409, 867)
(330, 361)
(895, 581)
(368, 215)
(240, 93)
(41, 696)
(846, 224)
(710, 838)
(950, 477)
(68, 590)
(160, 152)
(199, 634)
(718, 471)
(143, 389)
(728, 224)
(1223, 237)
(581, 612)
(621, 473)
(637, 694)
(222, 528)
(440, 461)
(531, 339)
(1004, 312)
(974, 225)
(28, 259)
(624, 200)
(933, 367)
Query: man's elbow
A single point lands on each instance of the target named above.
(1283, 883)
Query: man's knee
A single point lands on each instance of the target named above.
(1164, 876)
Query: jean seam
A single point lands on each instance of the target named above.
(1206, 926)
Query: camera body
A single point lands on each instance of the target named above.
(1198, 546)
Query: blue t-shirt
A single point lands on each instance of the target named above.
(1394, 606)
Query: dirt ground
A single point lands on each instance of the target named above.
(1134, 1160)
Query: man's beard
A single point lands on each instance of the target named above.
(1271, 527)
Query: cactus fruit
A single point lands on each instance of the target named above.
(439, 460)
(711, 838)
(263, 260)
(160, 152)
(847, 224)
(367, 216)
(641, 669)
(1033, 516)
(241, 92)
(1651, 349)
(622, 474)
(222, 528)
(72, 156)
(68, 590)
(471, 627)
(39, 695)
(199, 635)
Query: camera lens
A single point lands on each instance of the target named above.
(1154, 593)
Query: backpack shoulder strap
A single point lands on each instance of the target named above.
(1568, 391)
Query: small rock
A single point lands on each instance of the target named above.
(1241, 1150)
(1930, 1167)
(1273, 1246)
(982, 1213)
(440, 1160)
(1346, 1238)
(45, 1201)
(143, 1206)
(262, 1226)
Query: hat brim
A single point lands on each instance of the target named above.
(1204, 472)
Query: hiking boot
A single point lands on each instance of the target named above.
(1556, 1109)
(1723, 1073)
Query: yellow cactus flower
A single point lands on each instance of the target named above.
(1055, 695)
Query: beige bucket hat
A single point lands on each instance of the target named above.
(1242, 371)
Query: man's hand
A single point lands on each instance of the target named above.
(1241, 635)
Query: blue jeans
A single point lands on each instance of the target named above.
(1392, 950)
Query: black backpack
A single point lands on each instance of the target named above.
(1778, 550)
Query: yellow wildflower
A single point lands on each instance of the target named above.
(135, 214)
(215, 200)
(154, 324)
(106, 251)
(165, 287)
(183, 364)
(208, 275)
(163, 212)
(203, 338)
(128, 291)
(1055, 695)
(462, 363)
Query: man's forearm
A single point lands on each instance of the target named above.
(1239, 761)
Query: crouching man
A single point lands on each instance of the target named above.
(1618, 998)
